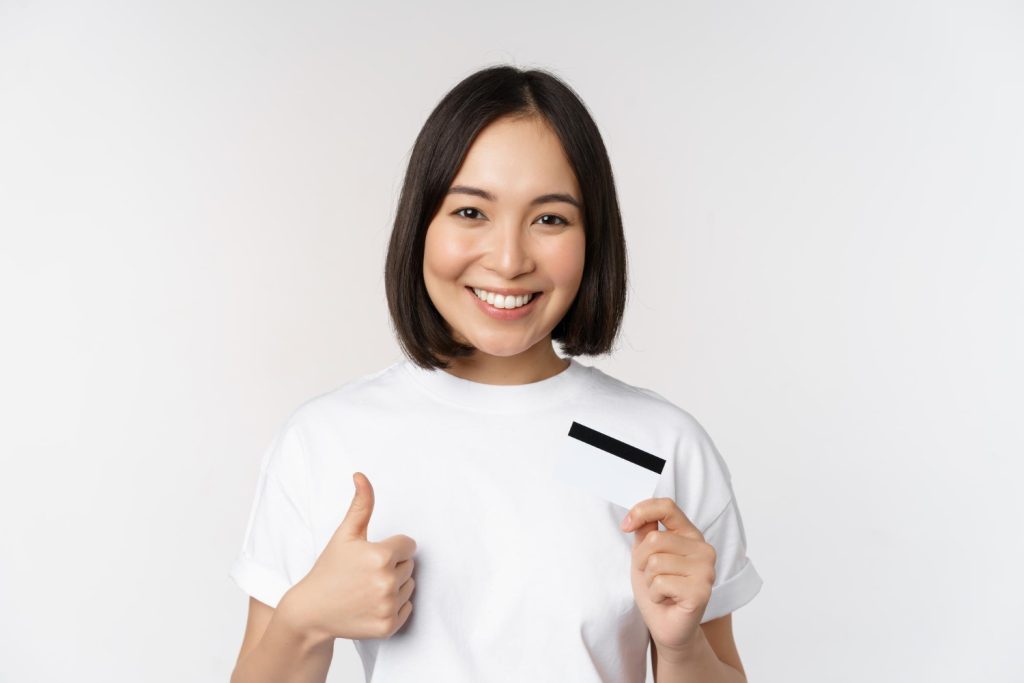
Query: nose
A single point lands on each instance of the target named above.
(508, 251)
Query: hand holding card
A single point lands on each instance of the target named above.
(672, 574)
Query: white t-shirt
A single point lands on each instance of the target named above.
(518, 576)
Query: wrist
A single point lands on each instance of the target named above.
(691, 651)
(292, 616)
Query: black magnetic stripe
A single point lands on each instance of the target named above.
(615, 447)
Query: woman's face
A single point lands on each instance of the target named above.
(512, 220)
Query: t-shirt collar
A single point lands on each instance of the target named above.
(500, 398)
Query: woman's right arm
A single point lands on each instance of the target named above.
(356, 589)
(277, 648)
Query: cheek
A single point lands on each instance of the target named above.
(567, 261)
(444, 256)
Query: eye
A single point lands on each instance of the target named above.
(478, 215)
(467, 208)
(551, 215)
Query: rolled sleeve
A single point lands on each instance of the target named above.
(277, 549)
(736, 579)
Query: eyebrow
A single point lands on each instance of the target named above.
(543, 199)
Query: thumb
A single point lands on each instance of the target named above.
(640, 534)
(359, 510)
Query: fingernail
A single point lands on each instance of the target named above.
(626, 522)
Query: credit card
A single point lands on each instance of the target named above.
(607, 467)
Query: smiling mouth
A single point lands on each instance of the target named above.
(533, 296)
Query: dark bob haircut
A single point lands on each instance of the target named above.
(591, 324)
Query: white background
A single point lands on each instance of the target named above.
(823, 206)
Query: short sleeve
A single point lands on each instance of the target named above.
(736, 579)
(700, 482)
(277, 548)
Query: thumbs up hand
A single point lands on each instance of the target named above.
(357, 589)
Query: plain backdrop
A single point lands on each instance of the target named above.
(823, 208)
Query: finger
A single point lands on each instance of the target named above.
(643, 532)
(677, 565)
(406, 590)
(403, 570)
(668, 542)
(662, 510)
(357, 518)
(665, 563)
(403, 614)
(683, 590)
(401, 546)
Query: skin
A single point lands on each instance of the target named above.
(508, 242)
(672, 572)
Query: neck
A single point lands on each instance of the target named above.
(537, 363)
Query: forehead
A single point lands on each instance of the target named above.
(517, 159)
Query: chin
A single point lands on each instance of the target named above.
(506, 350)
(500, 352)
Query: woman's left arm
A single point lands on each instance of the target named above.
(714, 658)
(672, 573)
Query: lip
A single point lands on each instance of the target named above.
(504, 313)
(504, 291)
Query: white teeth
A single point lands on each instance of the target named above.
(500, 301)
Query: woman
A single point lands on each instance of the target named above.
(484, 444)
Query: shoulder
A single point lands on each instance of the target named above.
(354, 399)
(695, 475)
(647, 403)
